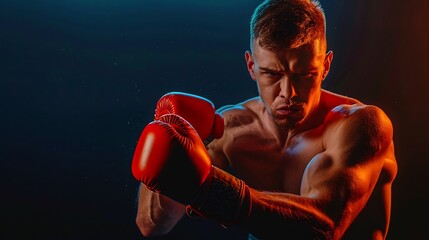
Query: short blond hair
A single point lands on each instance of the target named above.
(287, 24)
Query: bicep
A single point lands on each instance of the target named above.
(340, 190)
(344, 175)
(328, 178)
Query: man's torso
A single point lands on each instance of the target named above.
(264, 164)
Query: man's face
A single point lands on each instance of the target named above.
(289, 81)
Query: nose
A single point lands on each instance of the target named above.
(287, 89)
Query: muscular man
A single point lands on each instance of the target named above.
(306, 163)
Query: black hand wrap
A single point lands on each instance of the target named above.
(222, 198)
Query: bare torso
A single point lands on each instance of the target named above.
(266, 164)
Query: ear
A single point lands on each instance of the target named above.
(327, 64)
(250, 64)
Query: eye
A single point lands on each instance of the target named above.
(306, 75)
(272, 74)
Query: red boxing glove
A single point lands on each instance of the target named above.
(170, 158)
(198, 111)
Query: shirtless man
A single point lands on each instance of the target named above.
(297, 161)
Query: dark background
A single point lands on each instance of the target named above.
(79, 80)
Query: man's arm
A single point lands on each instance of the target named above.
(336, 184)
(157, 214)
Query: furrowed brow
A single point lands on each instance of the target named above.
(267, 69)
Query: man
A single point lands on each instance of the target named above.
(306, 163)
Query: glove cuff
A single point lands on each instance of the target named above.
(222, 198)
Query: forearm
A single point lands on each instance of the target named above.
(274, 214)
(157, 214)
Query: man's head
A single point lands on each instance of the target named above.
(287, 24)
(288, 58)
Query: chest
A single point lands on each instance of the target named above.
(265, 164)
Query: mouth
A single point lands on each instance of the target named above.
(289, 111)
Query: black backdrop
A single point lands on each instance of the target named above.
(79, 81)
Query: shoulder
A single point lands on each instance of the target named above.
(240, 114)
(346, 115)
(237, 119)
(358, 127)
(370, 117)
